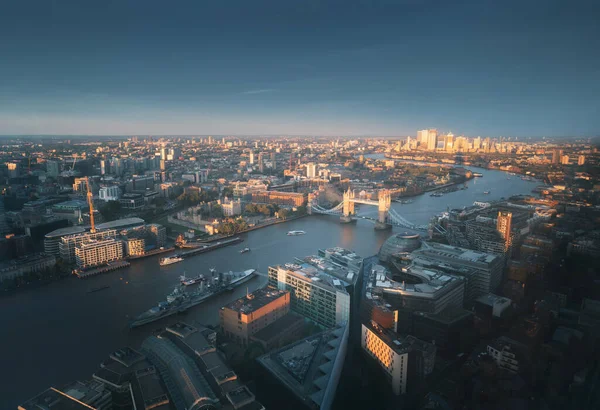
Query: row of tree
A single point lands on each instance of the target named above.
(256, 209)
(231, 226)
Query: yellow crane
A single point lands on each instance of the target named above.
(90, 200)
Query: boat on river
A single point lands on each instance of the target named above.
(295, 233)
(180, 300)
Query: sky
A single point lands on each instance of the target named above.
(302, 67)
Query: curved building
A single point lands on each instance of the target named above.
(187, 386)
(52, 239)
(399, 243)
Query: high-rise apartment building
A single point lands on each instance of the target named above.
(244, 317)
(251, 159)
(581, 160)
(564, 160)
(157, 233)
(311, 170)
(556, 156)
(96, 252)
(314, 294)
(504, 228)
(406, 361)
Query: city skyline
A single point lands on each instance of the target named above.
(268, 68)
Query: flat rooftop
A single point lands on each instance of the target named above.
(148, 391)
(53, 399)
(331, 268)
(448, 316)
(310, 273)
(256, 300)
(439, 250)
(306, 366)
(275, 328)
(399, 344)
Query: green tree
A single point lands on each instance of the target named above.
(110, 211)
(217, 211)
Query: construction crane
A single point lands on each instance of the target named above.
(91, 204)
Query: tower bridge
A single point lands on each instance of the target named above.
(386, 216)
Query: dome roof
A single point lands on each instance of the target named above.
(401, 242)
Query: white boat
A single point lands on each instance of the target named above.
(170, 260)
(245, 250)
(486, 192)
(295, 233)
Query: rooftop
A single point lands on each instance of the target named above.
(490, 300)
(448, 316)
(455, 253)
(331, 268)
(275, 328)
(399, 344)
(71, 230)
(255, 300)
(148, 392)
(119, 223)
(306, 367)
(310, 273)
(55, 400)
(75, 203)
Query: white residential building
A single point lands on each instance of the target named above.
(109, 193)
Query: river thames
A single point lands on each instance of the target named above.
(59, 333)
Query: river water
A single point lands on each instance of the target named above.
(58, 333)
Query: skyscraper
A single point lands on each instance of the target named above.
(422, 137)
(251, 157)
(556, 156)
(504, 227)
(581, 160)
(432, 140)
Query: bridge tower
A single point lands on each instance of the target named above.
(348, 202)
(385, 202)
(348, 210)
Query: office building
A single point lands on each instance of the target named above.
(109, 193)
(397, 244)
(68, 243)
(70, 210)
(314, 294)
(132, 201)
(406, 361)
(311, 170)
(98, 251)
(244, 317)
(52, 168)
(482, 271)
(443, 328)
(309, 369)
(427, 290)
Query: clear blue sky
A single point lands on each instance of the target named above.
(479, 67)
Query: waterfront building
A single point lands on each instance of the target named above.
(68, 243)
(482, 271)
(109, 193)
(406, 361)
(244, 317)
(53, 239)
(158, 234)
(314, 294)
(135, 246)
(279, 198)
(398, 243)
(25, 265)
(310, 369)
(231, 207)
(98, 251)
